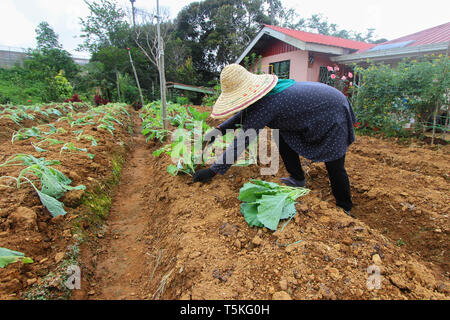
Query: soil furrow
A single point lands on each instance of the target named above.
(168, 238)
(118, 266)
(408, 207)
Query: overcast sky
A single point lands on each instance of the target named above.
(391, 18)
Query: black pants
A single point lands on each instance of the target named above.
(340, 185)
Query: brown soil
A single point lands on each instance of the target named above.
(115, 265)
(43, 238)
(169, 238)
(8, 126)
(401, 192)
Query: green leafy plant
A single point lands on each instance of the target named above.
(181, 149)
(390, 100)
(69, 146)
(37, 148)
(152, 122)
(26, 133)
(266, 203)
(36, 132)
(8, 256)
(53, 182)
(210, 100)
(88, 138)
(50, 141)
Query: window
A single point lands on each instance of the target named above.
(324, 75)
(281, 69)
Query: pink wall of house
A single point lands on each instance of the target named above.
(300, 70)
(298, 66)
(320, 60)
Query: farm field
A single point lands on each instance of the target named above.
(88, 146)
(168, 238)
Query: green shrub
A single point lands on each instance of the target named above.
(183, 100)
(210, 100)
(63, 87)
(385, 99)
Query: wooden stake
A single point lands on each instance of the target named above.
(136, 77)
(162, 76)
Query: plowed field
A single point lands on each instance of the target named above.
(168, 238)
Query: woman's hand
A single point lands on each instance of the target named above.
(204, 175)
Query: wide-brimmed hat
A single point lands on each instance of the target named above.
(240, 89)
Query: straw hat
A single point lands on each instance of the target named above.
(240, 89)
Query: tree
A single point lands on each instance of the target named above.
(217, 31)
(317, 23)
(105, 27)
(146, 37)
(46, 37)
(48, 63)
(49, 59)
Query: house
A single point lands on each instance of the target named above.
(304, 56)
(298, 55)
(435, 40)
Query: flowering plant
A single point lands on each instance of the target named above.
(339, 79)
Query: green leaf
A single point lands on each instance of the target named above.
(250, 213)
(270, 210)
(198, 116)
(288, 210)
(27, 260)
(5, 260)
(55, 207)
(53, 141)
(71, 147)
(243, 163)
(9, 256)
(38, 149)
(267, 184)
(251, 192)
(266, 203)
(91, 156)
(160, 151)
(172, 170)
(8, 252)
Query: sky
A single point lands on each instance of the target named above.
(390, 18)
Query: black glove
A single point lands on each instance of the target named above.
(204, 175)
(210, 136)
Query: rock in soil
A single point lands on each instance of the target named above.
(281, 295)
(73, 198)
(23, 219)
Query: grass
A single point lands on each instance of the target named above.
(52, 286)
(400, 242)
(97, 203)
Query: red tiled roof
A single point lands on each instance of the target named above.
(433, 35)
(322, 39)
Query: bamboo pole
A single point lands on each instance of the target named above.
(117, 84)
(162, 76)
(131, 59)
(438, 101)
(136, 77)
(436, 111)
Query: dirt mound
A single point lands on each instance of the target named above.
(204, 262)
(27, 226)
(197, 245)
(168, 238)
